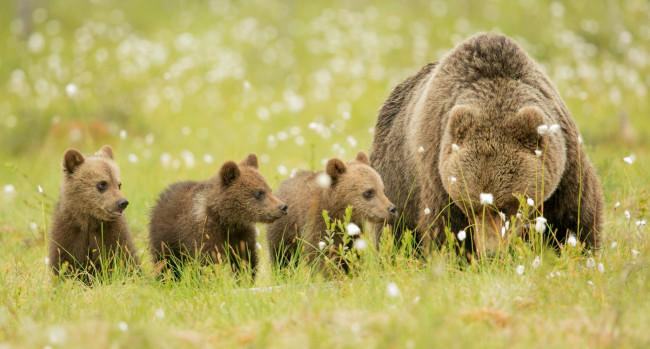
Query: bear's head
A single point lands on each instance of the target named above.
(358, 185)
(244, 195)
(518, 155)
(92, 184)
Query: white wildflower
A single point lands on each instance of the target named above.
(591, 263)
(40, 189)
(542, 129)
(71, 90)
(538, 153)
(627, 214)
(33, 226)
(455, 148)
(352, 229)
(486, 199)
(282, 170)
(601, 267)
(351, 141)
(530, 202)
(614, 244)
(572, 240)
(421, 150)
(617, 205)
(579, 139)
(160, 314)
(47, 261)
(518, 215)
(57, 335)
(503, 232)
(540, 224)
(321, 245)
(427, 211)
(630, 159)
(258, 245)
(553, 128)
(132, 158)
(635, 253)
(416, 300)
(641, 223)
(123, 326)
(208, 159)
(9, 189)
(590, 283)
(360, 244)
(123, 134)
(503, 216)
(324, 180)
(461, 235)
(520, 269)
(393, 290)
(451, 179)
(149, 138)
(536, 262)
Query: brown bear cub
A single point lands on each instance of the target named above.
(213, 221)
(485, 120)
(89, 232)
(341, 185)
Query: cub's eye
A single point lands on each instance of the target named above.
(258, 194)
(102, 186)
(368, 194)
(119, 186)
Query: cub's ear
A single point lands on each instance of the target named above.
(362, 157)
(335, 168)
(228, 173)
(106, 152)
(461, 120)
(525, 125)
(251, 160)
(72, 158)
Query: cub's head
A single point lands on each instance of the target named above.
(92, 184)
(358, 185)
(522, 154)
(244, 193)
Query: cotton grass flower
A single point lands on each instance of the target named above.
(530, 202)
(123, 326)
(455, 148)
(323, 180)
(536, 262)
(627, 214)
(461, 235)
(635, 253)
(132, 158)
(572, 240)
(486, 198)
(452, 179)
(540, 224)
(617, 205)
(352, 229)
(542, 129)
(520, 269)
(427, 211)
(553, 128)
(123, 134)
(360, 244)
(538, 153)
(282, 170)
(392, 290)
(630, 159)
(9, 189)
(208, 159)
(321, 245)
(641, 223)
(503, 216)
(601, 267)
(614, 244)
(591, 263)
(71, 90)
(159, 314)
(421, 150)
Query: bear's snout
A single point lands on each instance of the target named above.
(283, 208)
(122, 204)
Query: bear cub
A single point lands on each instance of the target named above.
(89, 232)
(308, 193)
(213, 221)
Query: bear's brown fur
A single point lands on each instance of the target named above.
(476, 115)
(355, 184)
(213, 220)
(88, 228)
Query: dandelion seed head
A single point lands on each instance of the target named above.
(392, 290)
(486, 198)
(352, 229)
(461, 235)
(520, 269)
(324, 180)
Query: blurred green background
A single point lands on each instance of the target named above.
(178, 87)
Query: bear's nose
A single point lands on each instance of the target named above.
(122, 204)
(392, 210)
(283, 208)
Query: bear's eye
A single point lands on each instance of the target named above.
(368, 194)
(102, 186)
(258, 194)
(119, 186)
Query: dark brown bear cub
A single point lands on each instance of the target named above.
(88, 228)
(475, 129)
(341, 185)
(213, 221)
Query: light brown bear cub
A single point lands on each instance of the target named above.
(88, 227)
(355, 184)
(213, 221)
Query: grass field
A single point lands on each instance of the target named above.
(179, 87)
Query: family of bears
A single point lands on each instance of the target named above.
(457, 145)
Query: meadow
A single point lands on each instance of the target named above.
(179, 87)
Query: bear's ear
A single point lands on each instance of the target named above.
(525, 125)
(228, 172)
(106, 152)
(362, 157)
(335, 168)
(72, 158)
(251, 160)
(461, 119)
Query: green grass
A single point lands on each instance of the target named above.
(191, 78)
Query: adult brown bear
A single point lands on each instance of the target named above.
(484, 120)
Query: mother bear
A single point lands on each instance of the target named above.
(484, 120)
